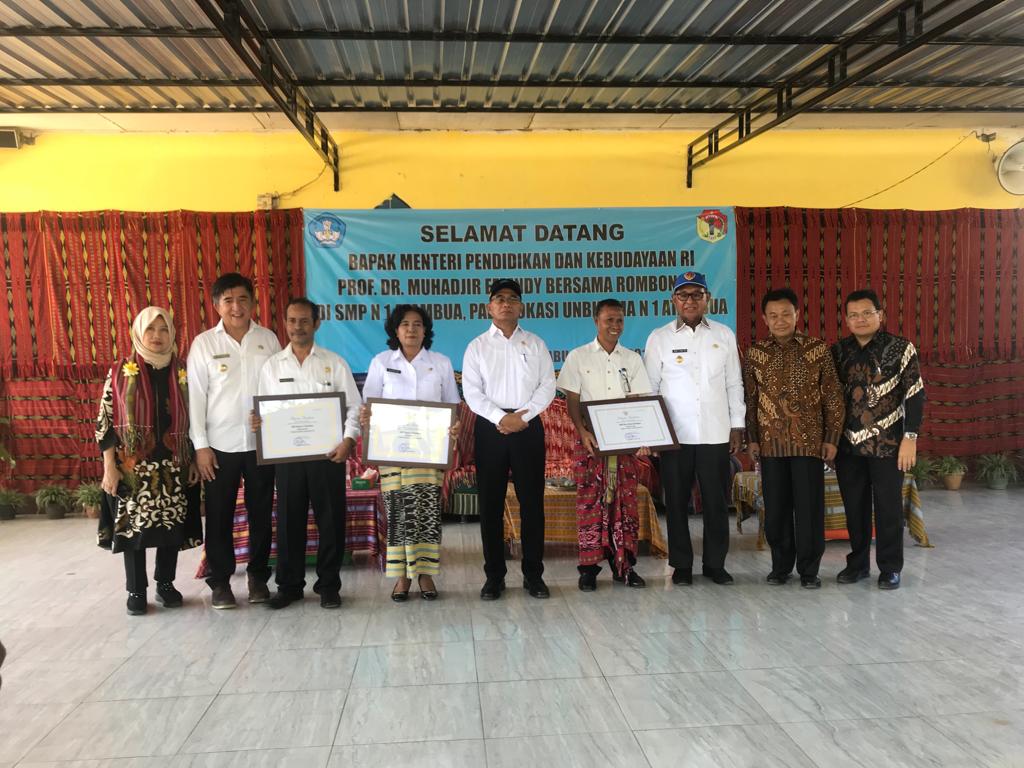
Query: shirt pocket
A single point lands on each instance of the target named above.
(219, 368)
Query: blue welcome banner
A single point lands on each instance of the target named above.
(360, 264)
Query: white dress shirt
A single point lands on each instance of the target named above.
(321, 371)
(594, 374)
(501, 373)
(698, 373)
(222, 378)
(428, 377)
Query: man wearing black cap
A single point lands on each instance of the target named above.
(508, 381)
(694, 365)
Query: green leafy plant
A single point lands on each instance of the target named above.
(950, 465)
(923, 470)
(89, 494)
(55, 500)
(996, 469)
(11, 502)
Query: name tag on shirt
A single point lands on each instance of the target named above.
(676, 351)
(225, 356)
(393, 370)
(286, 381)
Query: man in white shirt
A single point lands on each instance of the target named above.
(693, 363)
(223, 367)
(508, 381)
(301, 368)
(606, 506)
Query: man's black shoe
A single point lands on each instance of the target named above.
(536, 587)
(777, 579)
(223, 597)
(810, 582)
(635, 580)
(168, 595)
(136, 603)
(717, 575)
(851, 575)
(330, 600)
(888, 580)
(682, 576)
(492, 589)
(588, 582)
(283, 599)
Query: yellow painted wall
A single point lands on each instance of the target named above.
(224, 172)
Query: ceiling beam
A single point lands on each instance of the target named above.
(455, 36)
(853, 60)
(240, 32)
(370, 82)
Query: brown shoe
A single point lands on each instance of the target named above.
(223, 597)
(258, 592)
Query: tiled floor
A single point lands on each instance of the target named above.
(747, 675)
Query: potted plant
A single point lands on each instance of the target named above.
(11, 503)
(997, 470)
(951, 470)
(923, 471)
(54, 500)
(90, 496)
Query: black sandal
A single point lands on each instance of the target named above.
(399, 596)
(429, 594)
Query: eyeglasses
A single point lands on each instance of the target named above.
(507, 300)
(685, 296)
(867, 314)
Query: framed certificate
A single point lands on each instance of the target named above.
(299, 427)
(622, 426)
(409, 433)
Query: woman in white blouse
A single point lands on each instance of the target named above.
(412, 495)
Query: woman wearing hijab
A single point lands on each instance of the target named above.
(412, 495)
(148, 474)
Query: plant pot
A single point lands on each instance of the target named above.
(8, 513)
(54, 512)
(998, 483)
(952, 482)
(92, 511)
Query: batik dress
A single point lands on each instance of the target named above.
(154, 506)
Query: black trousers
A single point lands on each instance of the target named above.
(794, 512)
(221, 496)
(322, 484)
(867, 483)
(709, 464)
(135, 567)
(496, 454)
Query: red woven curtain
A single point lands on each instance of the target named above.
(951, 281)
(74, 281)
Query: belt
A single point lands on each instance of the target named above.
(509, 410)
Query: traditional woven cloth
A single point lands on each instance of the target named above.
(412, 497)
(606, 508)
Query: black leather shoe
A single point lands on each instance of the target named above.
(810, 582)
(398, 595)
(635, 580)
(851, 575)
(330, 600)
(682, 576)
(136, 603)
(537, 588)
(426, 594)
(492, 589)
(167, 595)
(283, 600)
(777, 579)
(888, 580)
(717, 575)
(258, 590)
(223, 597)
(588, 582)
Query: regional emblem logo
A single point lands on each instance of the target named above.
(327, 230)
(712, 225)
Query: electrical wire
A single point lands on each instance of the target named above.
(295, 191)
(925, 167)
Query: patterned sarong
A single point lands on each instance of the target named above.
(606, 508)
(412, 497)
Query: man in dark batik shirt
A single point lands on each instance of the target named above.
(884, 394)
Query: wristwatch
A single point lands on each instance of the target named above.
(910, 435)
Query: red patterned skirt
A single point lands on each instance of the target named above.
(606, 509)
